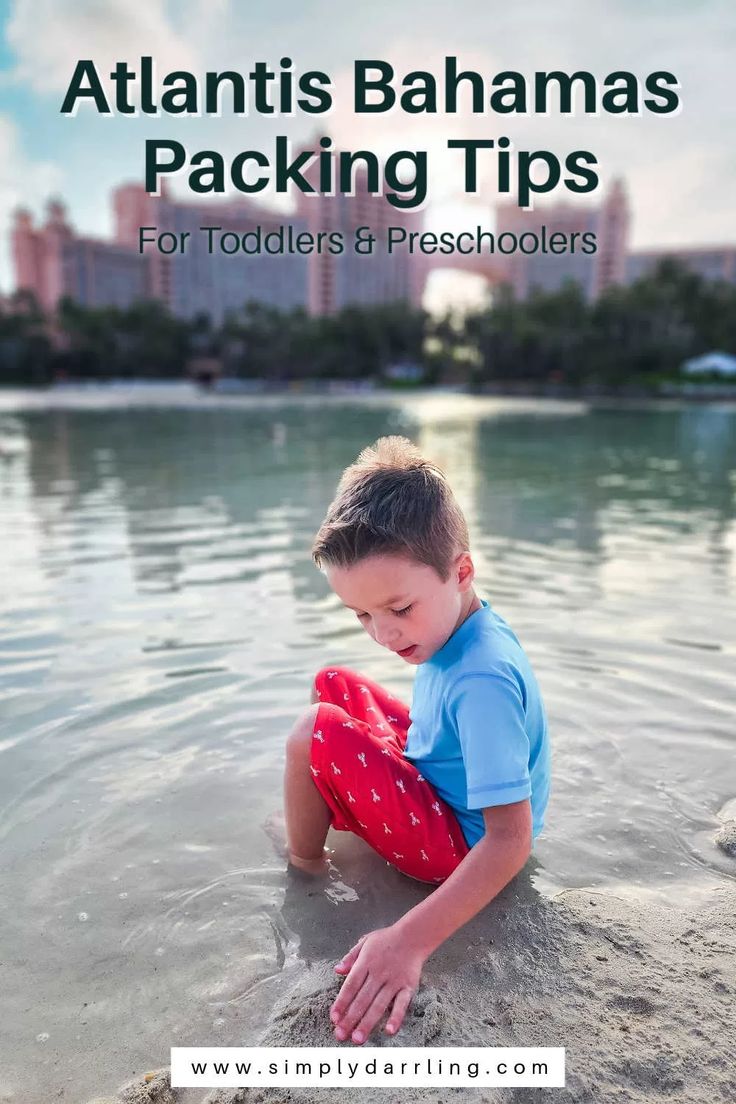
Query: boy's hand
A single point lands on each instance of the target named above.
(380, 969)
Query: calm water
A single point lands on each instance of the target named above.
(160, 621)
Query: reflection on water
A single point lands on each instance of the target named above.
(160, 621)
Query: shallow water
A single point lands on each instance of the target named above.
(159, 622)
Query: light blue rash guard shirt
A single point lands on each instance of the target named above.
(478, 729)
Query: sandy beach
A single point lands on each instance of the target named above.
(639, 993)
(164, 625)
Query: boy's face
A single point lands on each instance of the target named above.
(404, 605)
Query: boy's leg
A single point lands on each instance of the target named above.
(363, 698)
(307, 815)
(346, 768)
(376, 793)
(306, 812)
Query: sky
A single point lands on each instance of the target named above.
(680, 171)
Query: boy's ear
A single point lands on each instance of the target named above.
(465, 571)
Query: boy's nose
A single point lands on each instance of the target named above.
(385, 635)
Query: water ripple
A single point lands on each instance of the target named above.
(163, 620)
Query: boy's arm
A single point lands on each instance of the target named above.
(483, 873)
(385, 966)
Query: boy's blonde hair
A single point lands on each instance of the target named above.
(392, 500)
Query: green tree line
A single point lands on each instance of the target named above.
(635, 334)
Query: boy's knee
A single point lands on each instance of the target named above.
(316, 689)
(300, 737)
(324, 677)
(319, 680)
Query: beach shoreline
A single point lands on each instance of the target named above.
(164, 625)
(640, 994)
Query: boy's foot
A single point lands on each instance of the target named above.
(275, 828)
(315, 867)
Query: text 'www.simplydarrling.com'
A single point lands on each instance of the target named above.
(395, 1067)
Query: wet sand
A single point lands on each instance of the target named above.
(641, 995)
(161, 632)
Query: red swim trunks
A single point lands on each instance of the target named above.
(358, 766)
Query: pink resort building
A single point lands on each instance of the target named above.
(608, 222)
(53, 261)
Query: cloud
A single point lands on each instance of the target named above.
(678, 169)
(22, 180)
(678, 196)
(50, 36)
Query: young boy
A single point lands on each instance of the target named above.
(451, 793)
